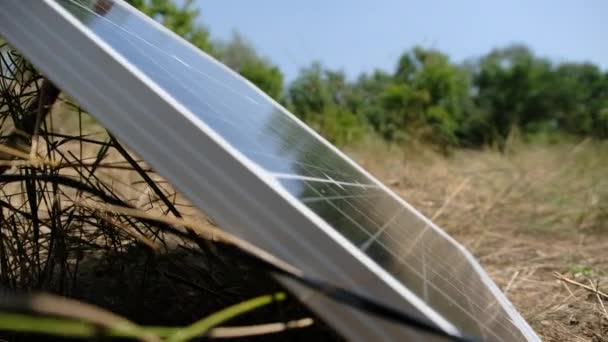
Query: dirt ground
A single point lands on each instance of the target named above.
(530, 217)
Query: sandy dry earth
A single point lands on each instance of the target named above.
(512, 223)
(525, 266)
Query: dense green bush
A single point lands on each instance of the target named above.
(428, 98)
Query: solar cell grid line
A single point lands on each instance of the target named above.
(420, 255)
(140, 80)
(440, 296)
(445, 269)
(427, 253)
(355, 199)
(299, 163)
(375, 208)
(348, 206)
(327, 179)
(364, 246)
(455, 297)
(316, 199)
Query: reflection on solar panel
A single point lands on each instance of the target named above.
(258, 171)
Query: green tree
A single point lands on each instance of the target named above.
(513, 88)
(427, 98)
(368, 102)
(239, 55)
(404, 108)
(580, 97)
(309, 95)
(325, 100)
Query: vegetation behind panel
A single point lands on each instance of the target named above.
(426, 96)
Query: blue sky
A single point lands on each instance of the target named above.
(357, 35)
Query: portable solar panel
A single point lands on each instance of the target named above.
(259, 171)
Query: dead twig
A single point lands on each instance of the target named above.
(596, 290)
(260, 329)
(511, 282)
(27, 126)
(599, 293)
(209, 233)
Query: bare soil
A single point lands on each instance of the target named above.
(526, 215)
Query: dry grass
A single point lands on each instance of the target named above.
(536, 210)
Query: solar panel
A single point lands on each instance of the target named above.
(260, 172)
